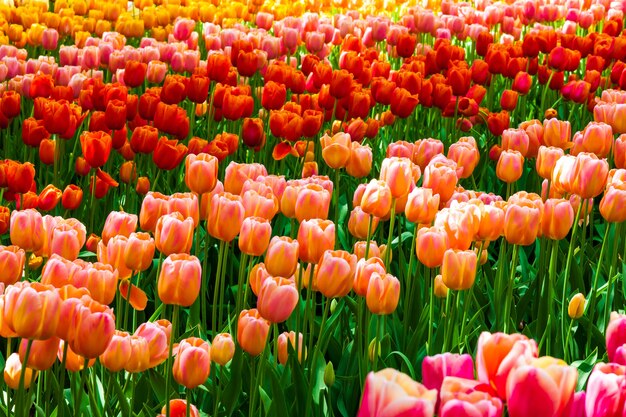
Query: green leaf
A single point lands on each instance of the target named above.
(278, 406)
(584, 368)
(265, 399)
(119, 393)
(230, 397)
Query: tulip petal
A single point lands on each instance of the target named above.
(281, 150)
(138, 298)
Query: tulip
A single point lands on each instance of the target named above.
(257, 204)
(42, 354)
(139, 251)
(615, 335)
(335, 274)
(430, 246)
(73, 361)
(461, 396)
(436, 368)
(458, 269)
(157, 335)
(179, 280)
(254, 236)
(93, 326)
(27, 230)
(510, 166)
(193, 362)
(13, 373)
(557, 219)
(154, 205)
(383, 293)
(498, 355)
(491, 225)
(277, 298)
(589, 175)
(222, 349)
(178, 408)
(117, 353)
(252, 332)
(377, 198)
(113, 254)
(441, 177)
(12, 261)
(168, 154)
(174, 234)
(557, 133)
(49, 198)
(336, 150)
(576, 306)
(201, 172)
(283, 350)
(544, 387)
(440, 290)
(397, 173)
(72, 197)
(312, 202)
(118, 223)
(521, 223)
(360, 163)
(237, 174)
(315, 236)
(281, 257)
(99, 279)
(226, 216)
(359, 223)
(465, 155)
(186, 204)
(392, 393)
(96, 147)
(421, 206)
(606, 391)
(546, 160)
(32, 311)
(67, 241)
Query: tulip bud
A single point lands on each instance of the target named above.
(329, 375)
(576, 306)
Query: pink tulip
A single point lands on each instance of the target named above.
(389, 393)
(606, 391)
(436, 368)
(542, 388)
(615, 335)
(466, 397)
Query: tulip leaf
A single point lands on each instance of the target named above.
(278, 406)
(406, 361)
(230, 397)
(265, 400)
(584, 368)
(119, 393)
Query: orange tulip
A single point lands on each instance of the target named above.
(283, 350)
(376, 200)
(359, 223)
(96, 147)
(27, 230)
(186, 204)
(398, 174)
(360, 163)
(118, 223)
(178, 408)
(117, 353)
(179, 280)
(515, 140)
(421, 206)
(281, 257)
(254, 236)
(140, 354)
(139, 251)
(237, 174)
(113, 254)
(174, 234)
(252, 331)
(73, 361)
(439, 288)
(72, 197)
(430, 246)
(157, 334)
(42, 355)
(260, 205)
(32, 311)
(441, 177)
(313, 202)
(458, 269)
(557, 218)
(100, 279)
(67, 240)
(93, 328)
(383, 293)
(13, 373)
(612, 203)
(588, 176)
(335, 273)
(193, 362)
(154, 206)
(222, 349)
(336, 150)
(364, 271)
(277, 299)
(12, 261)
(546, 160)
(201, 172)
(491, 224)
(499, 354)
(225, 217)
(315, 236)
(49, 198)
(521, 223)
(557, 133)
(510, 166)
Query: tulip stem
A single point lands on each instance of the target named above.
(79, 394)
(568, 268)
(92, 202)
(216, 291)
(19, 406)
(608, 305)
(62, 379)
(188, 403)
(431, 311)
(336, 190)
(410, 284)
(168, 364)
(369, 236)
(594, 289)
(243, 267)
(509, 290)
(390, 236)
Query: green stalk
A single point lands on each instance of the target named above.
(390, 236)
(79, 395)
(509, 292)
(609, 302)
(594, 290)
(217, 287)
(410, 284)
(568, 268)
(19, 406)
(431, 312)
(168, 363)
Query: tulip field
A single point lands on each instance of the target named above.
(344, 208)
